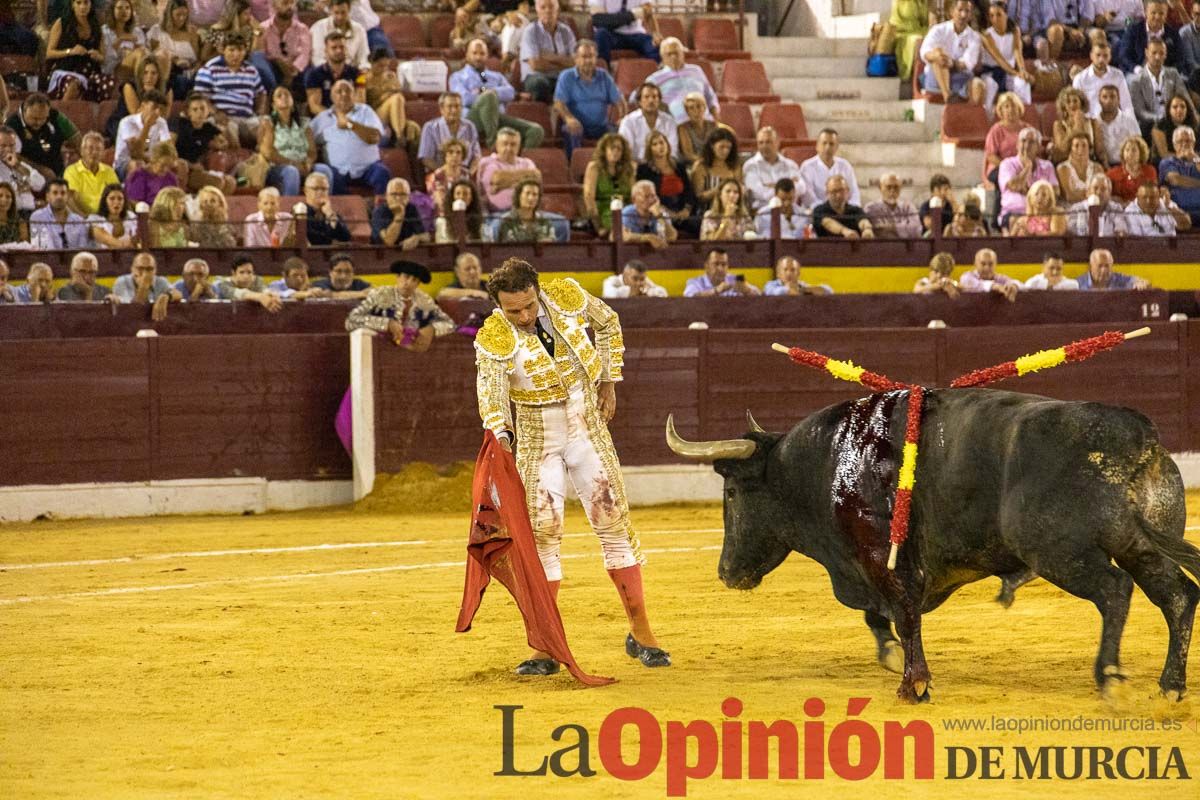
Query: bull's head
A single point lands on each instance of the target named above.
(753, 513)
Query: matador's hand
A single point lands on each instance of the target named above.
(606, 396)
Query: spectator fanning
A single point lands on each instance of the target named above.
(637, 125)
(349, 135)
(1100, 274)
(950, 52)
(546, 47)
(609, 174)
(625, 25)
(677, 79)
(585, 98)
(484, 93)
(817, 170)
(54, 226)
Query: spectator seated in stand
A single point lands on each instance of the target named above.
(984, 278)
(1100, 275)
(12, 227)
(1153, 213)
(585, 97)
(794, 219)
(1051, 277)
(55, 226)
(89, 176)
(1153, 86)
(636, 126)
(718, 163)
(7, 290)
(168, 223)
(1179, 112)
(452, 170)
(787, 280)
(74, 53)
(195, 286)
(1076, 172)
(243, 284)
(396, 221)
(196, 138)
(237, 20)
(140, 132)
(1018, 174)
(625, 25)
(1181, 172)
(348, 135)
(610, 173)
(939, 280)
(114, 225)
(83, 287)
(324, 226)
(677, 79)
(1132, 169)
(694, 131)
(817, 170)
(210, 226)
(1041, 217)
(546, 47)
(671, 184)
(485, 93)
(341, 283)
(268, 226)
(235, 88)
(287, 44)
(950, 51)
(893, 217)
(38, 287)
(941, 195)
(22, 175)
(1001, 62)
(504, 169)
(468, 283)
(177, 38)
(144, 285)
(320, 78)
(145, 183)
(1139, 33)
(727, 216)
(42, 132)
(295, 285)
(1100, 74)
(631, 282)
(353, 34)
(763, 171)
(287, 143)
(837, 216)
(525, 222)
(1189, 49)
(362, 13)
(644, 220)
(1111, 214)
(716, 280)
(465, 193)
(385, 96)
(450, 125)
(1072, 117)
(967, 221)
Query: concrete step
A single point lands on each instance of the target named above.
(966, 173)
(852, 7)
(803, 66)
(858, 111)
(808, 47)
(858, 89)
(871, 131)
(886, 152)
(854, 26)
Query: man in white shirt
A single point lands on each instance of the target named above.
(1116, 124)
(766, 167)
(1051, 277)
(1091, 80)
(636, 126)
(816, 171)
(793, 220)
(1112, 214)
(138, 133)
(625, 25)
(18, 173)
(357, 48)
(677, 79)
(632, 282)
(950, 51)
(1154, 214)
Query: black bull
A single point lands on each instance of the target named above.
(1005, 483)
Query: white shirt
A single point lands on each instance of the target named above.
(1039, 282)
(1111, 223)
(1142, 224)
(362, 13)
(356, 43)
(760, 177)
(636, 131)
(25, 183)
(1090, 84)
(613, 6)
(130, 127)
(962, 47)
(815, 173)
(615, 286)
(791, 226)
(1122, 126)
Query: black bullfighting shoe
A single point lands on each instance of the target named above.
(538, 666)
(649, 656)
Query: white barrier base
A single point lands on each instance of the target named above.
(644, 486)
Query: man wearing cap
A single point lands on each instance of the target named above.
(534, 353)
(403, 311)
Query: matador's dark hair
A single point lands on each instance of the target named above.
(514, 275)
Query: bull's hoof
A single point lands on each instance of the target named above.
(1112, 683)
(914, 693)
(891, 657)
(1006, 596)
(1173, 695)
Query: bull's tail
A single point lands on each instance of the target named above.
(1158, 496)
(1181, 551)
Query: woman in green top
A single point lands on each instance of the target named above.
(609, 174)
(910, 20)
(167, 226)
(524, 223)
(287, 144)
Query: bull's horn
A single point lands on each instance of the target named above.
(754, 426)
(707, 451)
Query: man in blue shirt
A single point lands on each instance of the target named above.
(484, 93)
(584, 97)
(1100, 274)
(143, 284)
(644, 221)
(1181, 172)
(54, 226)
(546, 47)
(716, 280)
(349, 133)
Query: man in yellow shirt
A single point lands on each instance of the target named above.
(88, 177)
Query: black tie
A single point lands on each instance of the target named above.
(545, 338)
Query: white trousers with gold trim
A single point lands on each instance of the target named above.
(570, 440)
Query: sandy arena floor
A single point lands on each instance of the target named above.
(313, 655)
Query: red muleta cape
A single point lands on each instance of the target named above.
(501, 547)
